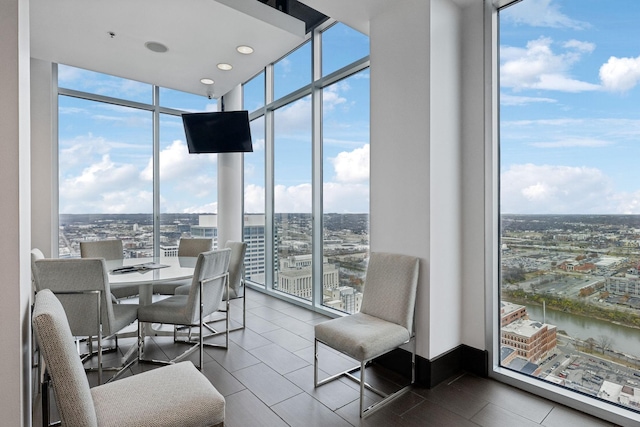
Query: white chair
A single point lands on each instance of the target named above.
(236, 282)
(111, 249)
(237, 287)
(176, 395)
(187, 247)
(210, 280)
(82, 285)
(384, 323)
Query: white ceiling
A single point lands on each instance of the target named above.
(198, 33)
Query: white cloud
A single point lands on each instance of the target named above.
(545, 189)
(541, 13)
(352, 166)
(294, 199)
(294, 117)
(331, 97)
(620, 74)
(513, 100)
(254, 199)
(206, 208)
(176, 163)
(345, 198)
(586, 47)
(104, 85)
(105, 187)
(538, 67)
(337, 198)
(573, 142)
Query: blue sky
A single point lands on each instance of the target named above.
(570, 107)
(105, 151)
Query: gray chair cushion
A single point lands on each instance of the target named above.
(361, 336)
(236, 266)
(390, 288)
(194, 246)
(187, 247)
(107, 249)
(185, 309)
(236, 276)
(175, 395)
(70, 384)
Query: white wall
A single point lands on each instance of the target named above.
(446, 186)
(44, 113)
(427, 161)
(473, 177)
(15, 369)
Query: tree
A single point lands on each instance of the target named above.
(605, 342)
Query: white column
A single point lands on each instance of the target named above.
(230, 182)
(416, 160)
(15, 351)
(44, 157)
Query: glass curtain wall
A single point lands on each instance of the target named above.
(311, 115)
(107, 165)
(569, 197)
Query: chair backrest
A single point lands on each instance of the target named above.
(236, 264)
(74, 275)
(107, 249)
(194, 246)
(36, 254)
(70, 384)
(390, 288)
(210, 265)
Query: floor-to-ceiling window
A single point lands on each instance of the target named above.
(569, 137)
(310, 170)
(345, 166)
(115, 171)
(292, 167)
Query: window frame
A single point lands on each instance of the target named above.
(573, 399)
(314, 88)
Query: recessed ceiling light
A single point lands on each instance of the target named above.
(245, 50)
(156, 47)
(206, 81)
(225, 67)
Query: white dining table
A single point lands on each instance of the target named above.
(158, 270)
(150, 271)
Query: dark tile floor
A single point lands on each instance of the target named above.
(266, 376)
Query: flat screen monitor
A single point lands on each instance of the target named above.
(218, 132)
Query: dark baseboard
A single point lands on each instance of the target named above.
(430, 373)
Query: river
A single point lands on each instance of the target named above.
(624, 339)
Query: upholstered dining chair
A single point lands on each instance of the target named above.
(82, 285)
(187, 247)
(384, 323)
(176, 395)
(209, 283)
(236, 282)
(109, 250)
